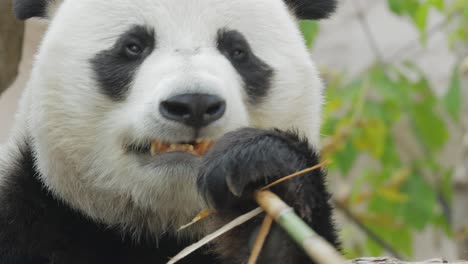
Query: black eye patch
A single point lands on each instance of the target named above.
(115, 68)
(256, 74)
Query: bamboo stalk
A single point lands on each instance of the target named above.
(261, 238)
(315, 246)
(231, 225)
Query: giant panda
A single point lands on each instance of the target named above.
(141, 113)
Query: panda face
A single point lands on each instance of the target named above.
(126, 94)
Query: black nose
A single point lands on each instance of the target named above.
(196, 110)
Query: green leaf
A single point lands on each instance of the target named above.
(352, 90)
(345, 159)
(310, 30)
(439, 4)
(446, 186)
(388, 89)
(441, 221)
(420, 90)
(393, 195)
(380, 205)
(452, 99)
(420, 19)
(429, 128)
(329, 127)
(420, 208)
(465, 11)
(373, 248)
(403, 7)
(388, 111)
(397, 6)
(372, 137)
(390, 156)
(403, 241)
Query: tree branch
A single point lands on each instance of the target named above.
(11, 44)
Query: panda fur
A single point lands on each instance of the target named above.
(77, 184)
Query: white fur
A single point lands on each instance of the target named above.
(78, 132)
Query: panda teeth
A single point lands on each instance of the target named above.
(198, 148)
(203, 147)
(173, 147)
(157, 147)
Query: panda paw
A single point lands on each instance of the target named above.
(248, 159)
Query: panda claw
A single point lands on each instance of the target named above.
(233, 188)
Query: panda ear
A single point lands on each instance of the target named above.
(25, 9)
(312, 9)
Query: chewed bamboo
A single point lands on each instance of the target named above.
(202, 215)
(261, 238)
(295, 175)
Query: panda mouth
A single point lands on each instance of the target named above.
(198, 147)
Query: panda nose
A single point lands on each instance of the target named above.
(195, 110)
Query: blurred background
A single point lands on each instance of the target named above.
(394, 123)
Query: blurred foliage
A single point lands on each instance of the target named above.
(459, 10)
(406, 188)
(418, 11)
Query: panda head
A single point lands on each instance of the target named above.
(125, 94)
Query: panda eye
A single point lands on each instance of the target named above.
(133, 50)
(238, 54)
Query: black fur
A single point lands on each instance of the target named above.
(249, 159)
(115, 68)
(256, 74)
(36, 228)
(312, 9)
(25, 9)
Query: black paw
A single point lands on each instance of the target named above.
(248, 159)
